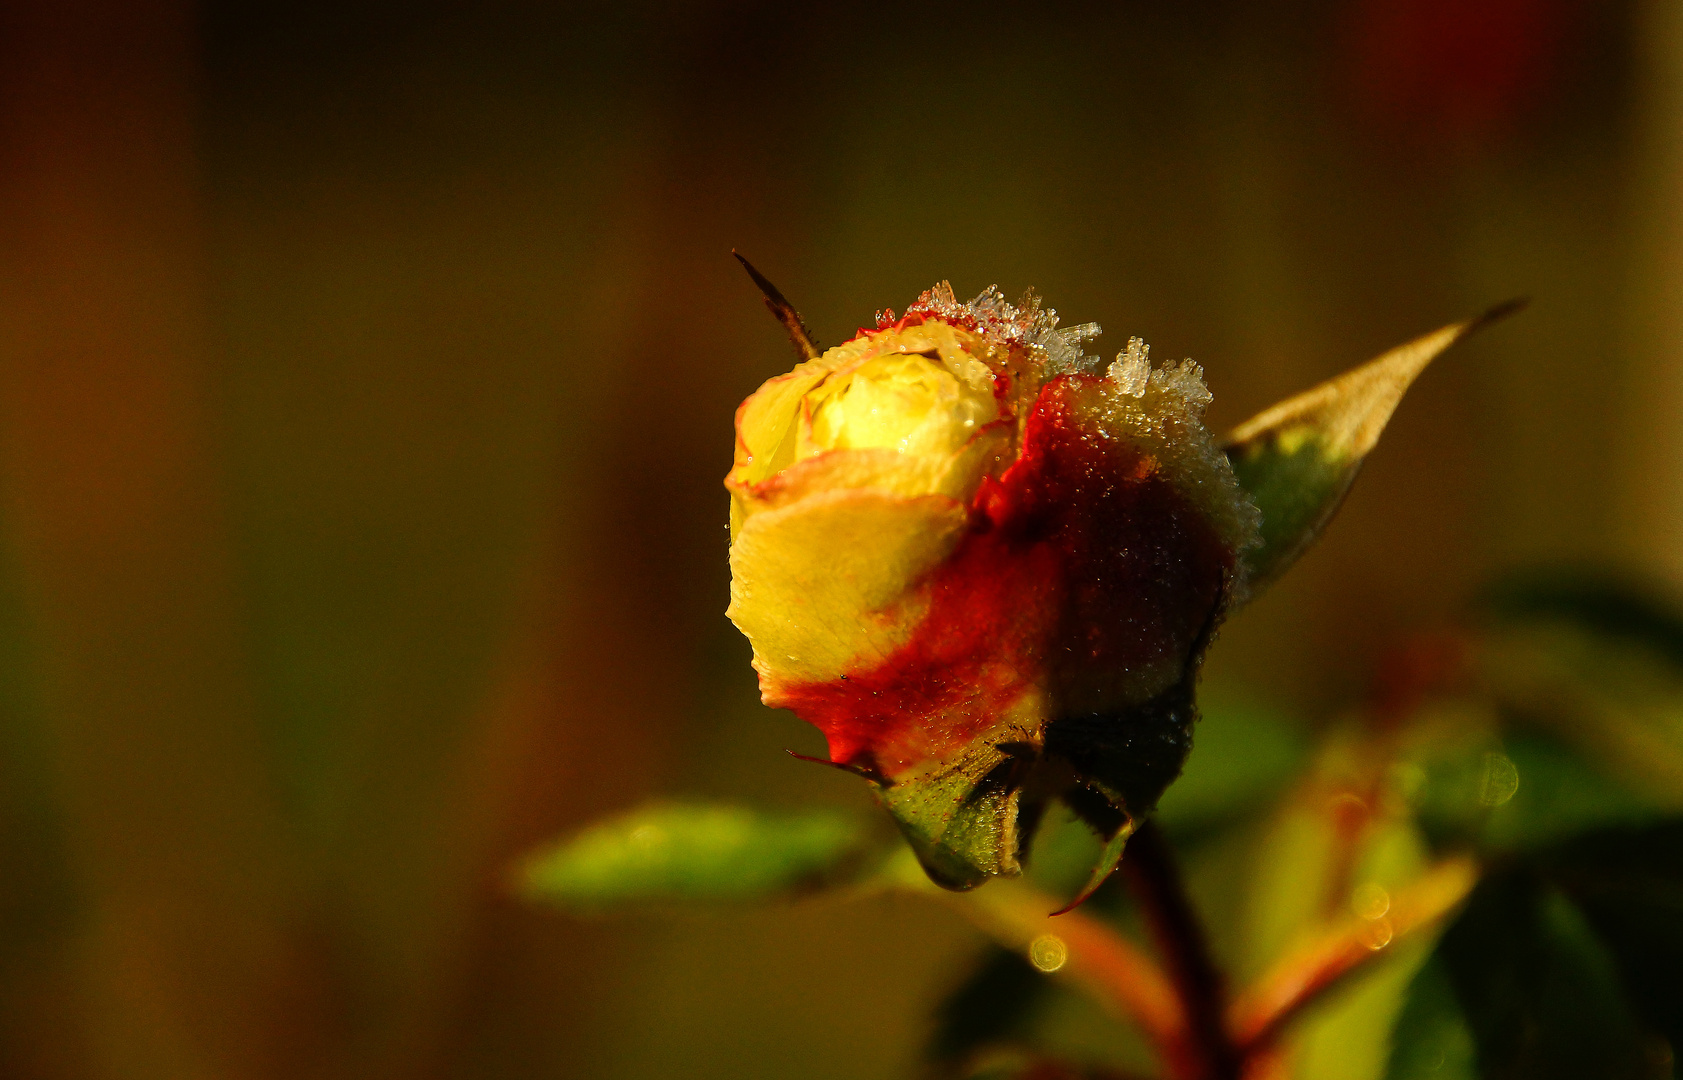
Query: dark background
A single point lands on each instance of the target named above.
(366, 375)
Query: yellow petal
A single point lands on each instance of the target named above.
(824, 585)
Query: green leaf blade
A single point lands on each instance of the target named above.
(694, 852)
(1298, 479)
(1432, 1040)
(1557, 795)
(1539, 991)
(1298, 459)
(1628, 883)
(1599, 665)
(989, 1007)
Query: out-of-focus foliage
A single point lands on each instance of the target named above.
(698, 853)
(1533, 987)
(1245, 756)
(1566, 959)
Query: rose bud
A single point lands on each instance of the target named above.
(986, 566)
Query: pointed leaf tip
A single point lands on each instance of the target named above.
(1298, 459)
(1110, 857)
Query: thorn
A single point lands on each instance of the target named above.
(784, 311)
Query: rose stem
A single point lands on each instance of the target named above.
(1110, 967)
(1154, 880)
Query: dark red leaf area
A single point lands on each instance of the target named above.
(1085, 575)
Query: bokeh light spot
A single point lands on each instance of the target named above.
(1048, 952)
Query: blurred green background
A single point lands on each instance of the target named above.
(366, 374)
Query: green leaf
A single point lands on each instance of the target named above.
(1600, 668)
(1629, 885)
(1556, 794)
(990, 1007)
(1522, 793)
(1301, 878)
(1432, 1040)
(1344, 1036)
(1242, 756)
(1539, 992)
(1297, 459)
(1600, 606)
(1294, 868)
(1567, 963)
(688, 852)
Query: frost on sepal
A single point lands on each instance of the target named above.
(1298, 459)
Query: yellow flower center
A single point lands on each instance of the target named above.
(912, 403)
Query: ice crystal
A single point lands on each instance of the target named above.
(1029, 327)
(1131, 370)
(1186, 379)
(1026, 325)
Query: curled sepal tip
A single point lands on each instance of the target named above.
(1110, 857)
(1298, 459)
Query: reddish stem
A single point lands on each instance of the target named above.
(1155, 882)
